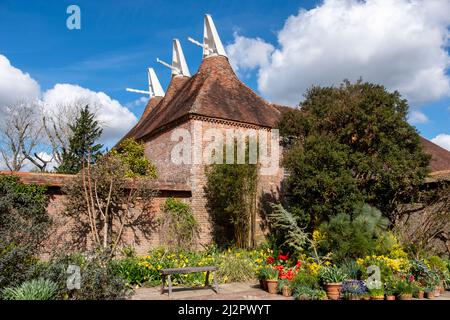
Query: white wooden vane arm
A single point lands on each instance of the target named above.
(178, 59)
(211, 40)
(139, 91)
(154, 86)
(179, 66)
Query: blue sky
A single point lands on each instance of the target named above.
(118, 40)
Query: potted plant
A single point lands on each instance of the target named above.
(404, 288)
(353, 289)
(389, 289)
(377, 294)
(272, 280)
(418, 291)
(429, 292)
(332, 278)
(376, 289)
(262, 277)
(284, 286)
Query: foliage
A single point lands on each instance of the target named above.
(377, 292)
(179, 228)
(351, 144)
(304, 278)
(38, 289)
(351, 268)
(236, 269)
(352, 236)
(24, 225)
(82, 144)
(104, 203)
(307, 293)
(404, 285)
(99, 281)
(295, 238)
(231, 194)
(132, 154)
(331, 274)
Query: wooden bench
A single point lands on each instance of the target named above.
(168, 272)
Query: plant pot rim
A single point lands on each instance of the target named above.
(333, 284)
(269, 280)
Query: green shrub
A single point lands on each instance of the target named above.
(331, 274)
(307, 293)
(38, 289)
(23, 226)
(306, 279)
(351, 268)
(179, 228)
(353, 236)
(99, 280)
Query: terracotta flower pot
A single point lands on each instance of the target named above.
(405, 296)
(437, 292)
(333, 290)
(377, 298)
(429, 295)
(390, 297)
(420, 295)
(263, 284)
(442, 289)
(272, 286)
(287, 292)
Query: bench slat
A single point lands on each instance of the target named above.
(186, 270)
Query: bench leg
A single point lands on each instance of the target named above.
(215, 282)
(207, 279)
(170, 285)
(162, 285)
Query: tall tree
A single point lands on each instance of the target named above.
(21, 136)
(351, 144)
(83, 146)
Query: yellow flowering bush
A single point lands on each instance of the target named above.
(388, 266)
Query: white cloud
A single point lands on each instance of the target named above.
(138, 102)
(115, 119)
(15, 84)
(399, 43)
(442, 140)
(417, 117)
(246, 54)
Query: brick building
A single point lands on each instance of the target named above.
(213, 98)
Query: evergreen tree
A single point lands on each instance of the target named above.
(348, 145)
(82, 143)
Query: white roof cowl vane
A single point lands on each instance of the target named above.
(212, 45)
(154, 86)
(179, 66)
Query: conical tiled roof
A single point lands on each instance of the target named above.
(214, 92)
(440, 157)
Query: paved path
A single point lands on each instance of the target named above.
(229, 291)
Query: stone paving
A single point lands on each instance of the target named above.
(229, 291)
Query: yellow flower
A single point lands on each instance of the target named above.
(317, 236)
